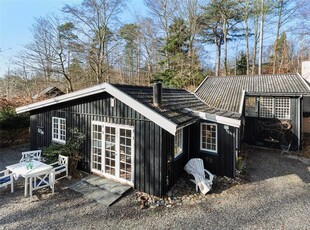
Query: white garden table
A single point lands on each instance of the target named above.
(20, 169)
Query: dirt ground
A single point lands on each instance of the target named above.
(275, 196)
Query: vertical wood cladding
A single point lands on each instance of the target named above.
(222, 162)
(152, 143)
(257, 129)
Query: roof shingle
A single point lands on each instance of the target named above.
(226, 92)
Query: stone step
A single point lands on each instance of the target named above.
(102, 190)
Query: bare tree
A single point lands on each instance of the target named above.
(95, 20)
(285, 10)
(261, 36)
(163, 15)
(149, 46)
(191, 10)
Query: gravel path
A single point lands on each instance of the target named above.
(277, 196)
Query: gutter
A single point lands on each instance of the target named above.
(216, 118)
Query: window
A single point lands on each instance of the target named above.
(266, 107)
(178, 143)
(59, 130)
(251, 106)
(282, 108)
(208, 137)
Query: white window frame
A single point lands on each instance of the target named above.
(102, 145)
(266, 108)
(251, 106)
(206, 141)
(178, 143)
(60, 135)
(282, 107)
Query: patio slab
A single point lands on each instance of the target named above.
(102, 190)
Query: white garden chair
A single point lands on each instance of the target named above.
(61, 167)
(6, 178)
(41, 180)
(195, 167)
(285, 147)
(31, 155)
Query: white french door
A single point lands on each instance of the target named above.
(112, 151)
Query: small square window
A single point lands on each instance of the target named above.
(282, 108)
(251, 106)
(266, 107)
(208, 137)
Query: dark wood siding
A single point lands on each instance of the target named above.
(152, 143)
(221, 163)
(177, 164)
(258, 129)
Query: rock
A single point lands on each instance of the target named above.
(192, 202)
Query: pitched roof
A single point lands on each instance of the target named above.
(170, 115)
(175, 103)
(226, 93)
(51, 91)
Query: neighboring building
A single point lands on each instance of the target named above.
(144, 136)
(48, 92)
(305, 72)
(306, 75)
(271, 106)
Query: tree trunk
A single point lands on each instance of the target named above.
(247, 38)
(218, 63)
(280, 7)
(261, 38)
(225, 46)
(255, 45)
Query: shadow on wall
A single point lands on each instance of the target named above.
(306, 124)
(270, 133)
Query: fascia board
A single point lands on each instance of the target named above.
(201, 84)
(304, 81)
(144, 110)
(219, 119)
(105, 87)
(63, 98)
(241, 101)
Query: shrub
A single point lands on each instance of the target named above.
(51, 152)
(72, 149)
(9, 119)
(13, 127)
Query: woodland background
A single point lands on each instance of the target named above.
(179, 42)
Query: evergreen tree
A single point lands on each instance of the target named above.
(177, 50)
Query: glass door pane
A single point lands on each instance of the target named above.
(110, 150)
(96, 147)
(125, 146)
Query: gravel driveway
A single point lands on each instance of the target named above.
(277, 196)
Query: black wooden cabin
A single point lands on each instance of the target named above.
(144, 136)
(129, 137)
